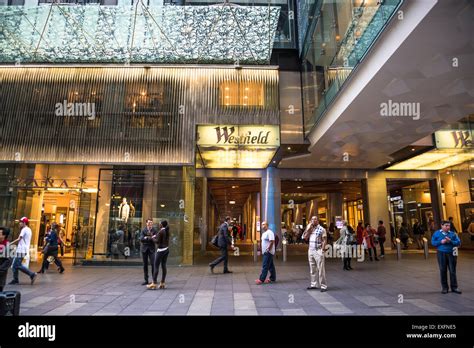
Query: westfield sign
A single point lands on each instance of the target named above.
(227, 135)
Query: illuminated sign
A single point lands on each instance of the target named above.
(454, 139)
(232, 146)
(238, 135)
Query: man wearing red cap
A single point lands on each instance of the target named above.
(22, 251)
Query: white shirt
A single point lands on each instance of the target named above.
(24, 243)
(267, 237)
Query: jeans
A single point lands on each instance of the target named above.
(347, 262)
(268, 265)
(447, 261)
(148, 255)
(382, 249)
(224, 257)
(370, 252)
(160, 258)
(57, 261)
(17, 266)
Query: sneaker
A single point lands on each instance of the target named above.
(258, 282)
(267, 281)
(382, 256)
(457, 291)
(312, 288)
(13, 282)
(444, 291)
(228, 272)
(61, 270)
(324, 290)
(33, 278)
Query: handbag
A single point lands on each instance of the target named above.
(45, 249)
(215, 240)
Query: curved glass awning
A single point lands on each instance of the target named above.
(225, 34)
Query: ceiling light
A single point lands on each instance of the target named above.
(162, 205)
(289, 148)
(227, 88)
(340, 182)
(143, 93)
(389, 162)
(235, 187)
(299, 187)
(246, 88)
(231, 202)
(245, 97)
(227, 96)
(413, 149)
(274, 161)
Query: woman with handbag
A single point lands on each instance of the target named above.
(368, 236)
(162, 239)
(50, 249)
(345, 242)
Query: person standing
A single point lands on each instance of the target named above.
(223, 242)
(5, 260)
(445, 241)
(162, 240)
(316, 236)
(360, 230)
(381, 233)
(452, 228)
(345, 243)
(368, 236)
(147, 248)
(51, 249)
(268, 250)
(22, 250)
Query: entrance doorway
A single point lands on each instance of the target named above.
(239, 199)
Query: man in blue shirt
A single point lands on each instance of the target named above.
(445, 240)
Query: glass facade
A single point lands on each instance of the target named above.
(336, 41)
(91, 203)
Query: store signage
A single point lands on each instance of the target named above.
(232, 135)
(45, 183)
(454, 139)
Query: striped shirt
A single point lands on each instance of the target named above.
(316, 238)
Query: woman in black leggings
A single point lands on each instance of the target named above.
(162, 251)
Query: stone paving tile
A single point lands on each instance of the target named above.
(370, 289)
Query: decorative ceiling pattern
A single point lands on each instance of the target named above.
(137, 34)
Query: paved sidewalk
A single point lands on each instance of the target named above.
(389, 287)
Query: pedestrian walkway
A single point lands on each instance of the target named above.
(389, 287)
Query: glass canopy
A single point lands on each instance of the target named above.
(56, 33)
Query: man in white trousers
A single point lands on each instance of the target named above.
(316, 236)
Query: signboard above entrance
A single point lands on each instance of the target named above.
(233, 146)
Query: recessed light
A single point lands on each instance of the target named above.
(162, 205)
(246, 88)
(289, 148)
(227, 97)
(235, 187)
(413, 149)
(274, 161)
(340, 182)
(245, 97)
(389, 162)
(227, 88)
(299, 187)
(143, 93)
(231, 202)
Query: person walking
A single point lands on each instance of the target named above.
(316, 236)
(162, 240)
(445, 241)
(5, 259)
(418, 234)
(268, 250)
(345, 242)
(22, 251)
(223, 242)
(50, 249)
(368, 235)
(147, 248)
(381, 233)
(403, 232)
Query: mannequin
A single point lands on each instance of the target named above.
(124, 210)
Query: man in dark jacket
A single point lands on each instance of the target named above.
(5, 260)
(223, 241)
(147, 248)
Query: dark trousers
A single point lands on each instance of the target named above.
(148, 255)
(267, 265)
(3, 279)
(45, 263)
(160, 259)
(447, 261)
(370, 252)
(382, 249)
(224, 257)
(347, 262)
